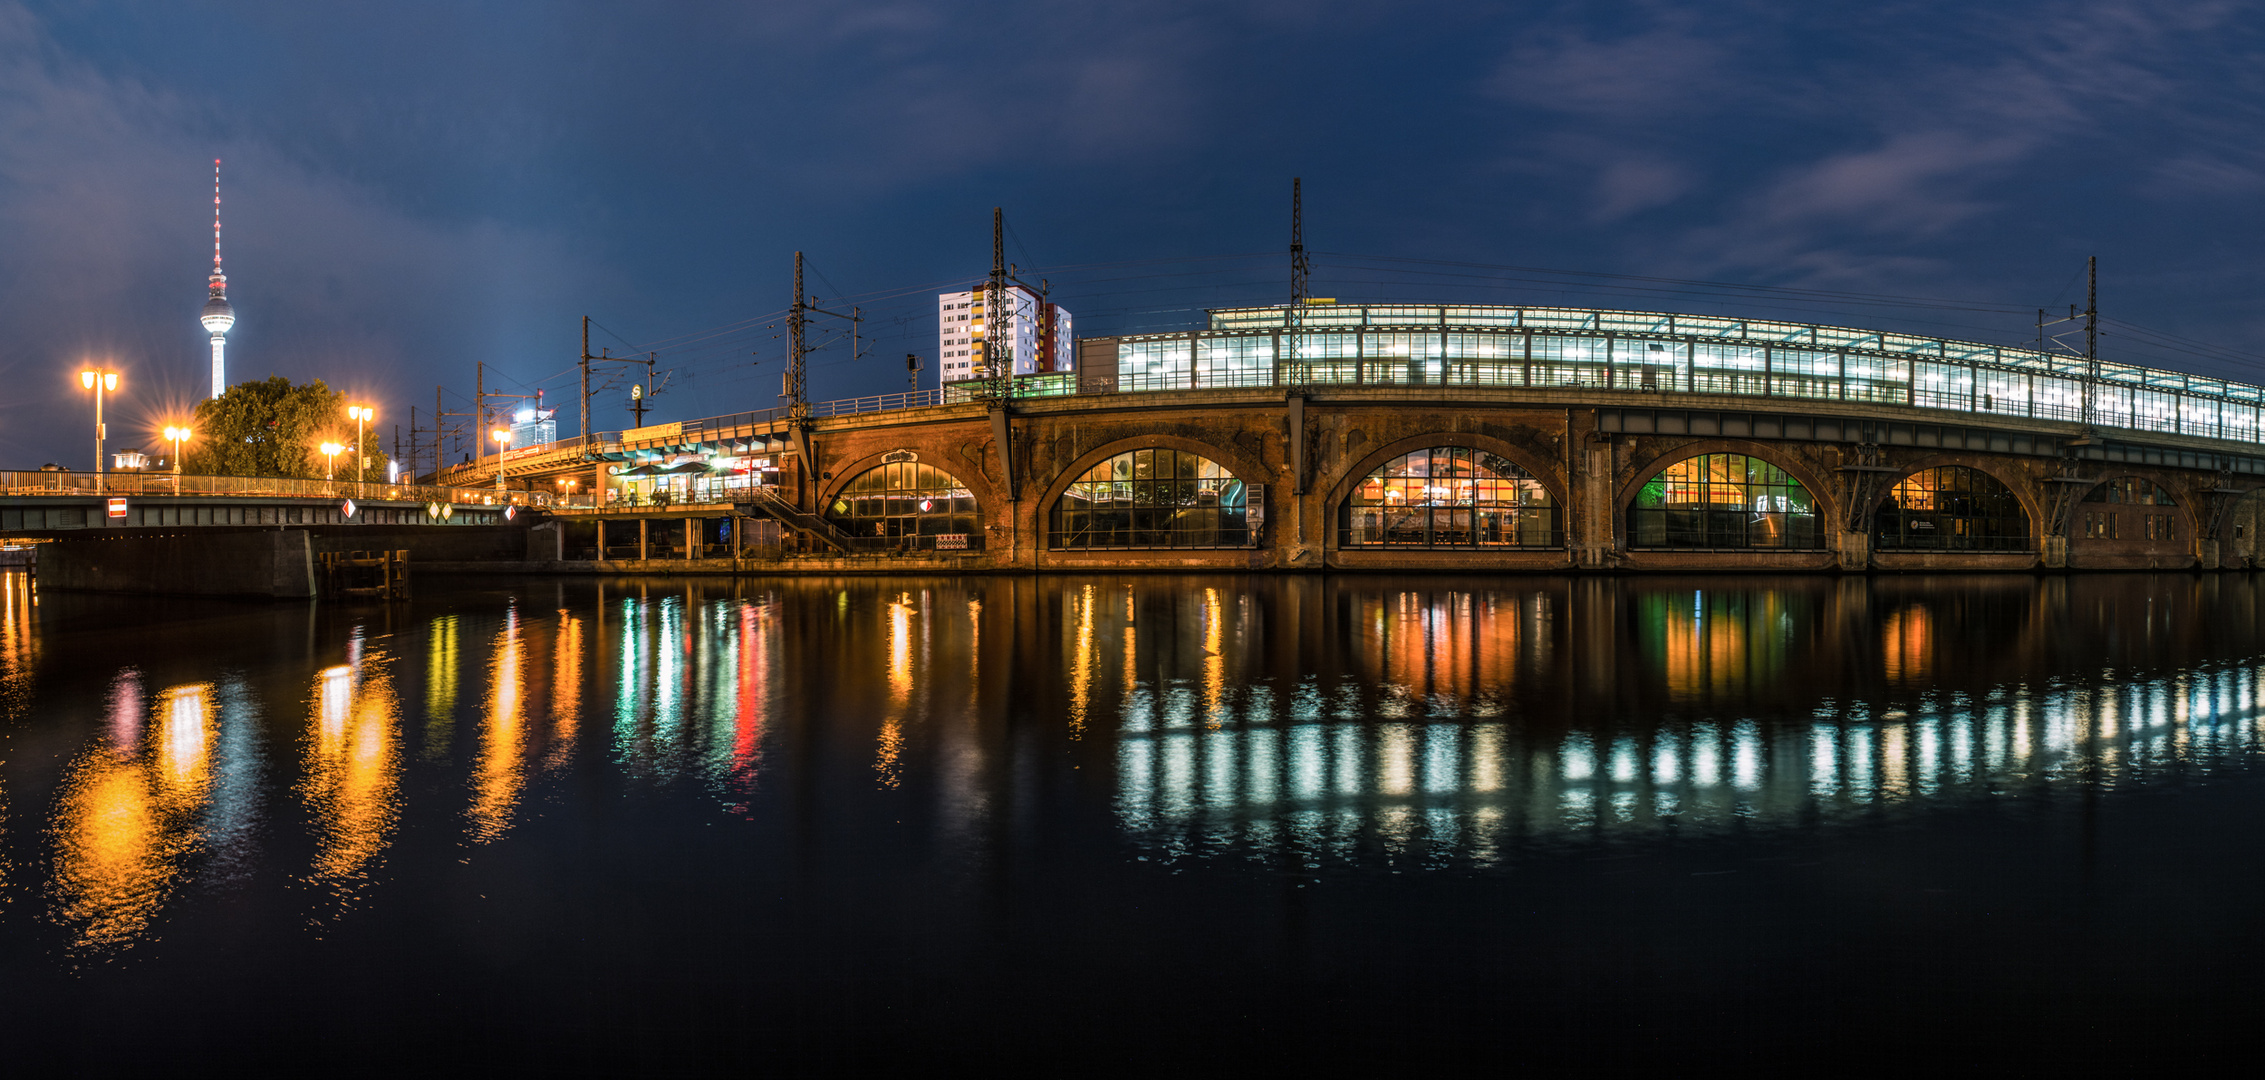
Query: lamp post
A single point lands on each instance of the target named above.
(330, 460)
(101, 382)
(566, 485)
(177, 436)
(502, 437)
(362, 414)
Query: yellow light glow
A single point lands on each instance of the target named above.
(86, 379)
(501, 773)
(353, 765)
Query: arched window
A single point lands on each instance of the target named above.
(1951, 508)
(1724, 501)
(906, 501)
(2105, 524)
(2130, 489)
(1152, 499)
(1450, 496)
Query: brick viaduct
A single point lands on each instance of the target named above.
(1592, 449)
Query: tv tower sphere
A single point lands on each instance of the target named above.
(218, 315)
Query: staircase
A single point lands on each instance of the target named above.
(778, 509)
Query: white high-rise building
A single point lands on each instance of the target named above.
(1041, 344)
(218, 315)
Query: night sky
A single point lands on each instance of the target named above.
(414, 188)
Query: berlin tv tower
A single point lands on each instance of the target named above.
(218, 315)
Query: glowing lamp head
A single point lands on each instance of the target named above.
(500, 435)
(332, 448)
(107, 379)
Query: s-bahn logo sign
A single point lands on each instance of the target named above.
(894, 457)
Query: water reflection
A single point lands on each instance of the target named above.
(131, 813)
(1656, 709)
(501, 770)
(1303, 722)
(352, 785)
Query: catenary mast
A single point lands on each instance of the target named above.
(218, 315)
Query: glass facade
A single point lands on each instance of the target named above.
(906, 501)
(1952, 508)
(1155, 498)
(1472, 345)
(1449, 496)
(1724, 501)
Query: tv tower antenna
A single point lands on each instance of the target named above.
(218, 314)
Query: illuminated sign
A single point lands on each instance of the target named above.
(117, 509)
(894, 457)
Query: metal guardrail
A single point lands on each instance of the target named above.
(147, 485)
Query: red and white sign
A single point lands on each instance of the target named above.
(117, 509)
(347, 508)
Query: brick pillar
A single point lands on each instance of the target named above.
(1855, 550)
(644, 534)
(691, 538)
(2053, 552)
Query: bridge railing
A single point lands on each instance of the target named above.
(149, 484)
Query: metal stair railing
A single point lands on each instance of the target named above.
(788, 514)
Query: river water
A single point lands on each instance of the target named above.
(1092, 822)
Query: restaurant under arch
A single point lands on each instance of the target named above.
(1151, 498)
(1450, 497)
(910, 503)
(1951, 508)
(1724, 501)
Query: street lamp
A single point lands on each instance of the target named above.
(362, 414)
(566, 485)
(177, 435)
(502, 437)
(330, 460)
(101, 382)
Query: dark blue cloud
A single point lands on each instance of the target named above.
(416, 188)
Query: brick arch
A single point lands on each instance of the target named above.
(2023, 487)
(1244, 467)
(1541, 469)
(2186, 507)
(980, 487)
(1828, 499)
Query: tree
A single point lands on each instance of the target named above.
(275, 428)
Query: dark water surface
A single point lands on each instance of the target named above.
(1090, 823)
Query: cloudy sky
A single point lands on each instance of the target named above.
(415, 188)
